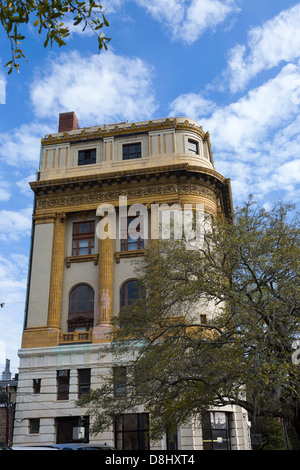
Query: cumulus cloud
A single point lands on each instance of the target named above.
(13, 280)
(187, 20)
(192, 104)
(2, 89)
(255, 139)
(242, 124)
(21, 146)
(99, 88)
(5, 193)
(276, 41)
(17, 224)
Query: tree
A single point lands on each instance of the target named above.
(52, 18)
(246, 274)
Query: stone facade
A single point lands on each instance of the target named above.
(165, 161)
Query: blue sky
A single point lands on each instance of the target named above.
(232, 65)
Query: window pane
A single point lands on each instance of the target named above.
(82, 297)
(83, 247)
(84, 227)
(130, 422)
(131, 151)
(87, 157)
(192, 147)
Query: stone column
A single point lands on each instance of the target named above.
(57, 269)
(106, 273)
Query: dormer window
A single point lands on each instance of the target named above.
(132, 151)
(193, 147)
(87, 157)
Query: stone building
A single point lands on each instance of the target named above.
(77, 281)
(8, 389)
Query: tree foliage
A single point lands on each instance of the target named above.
(51, 17)
(245, 279)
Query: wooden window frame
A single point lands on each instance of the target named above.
(124, 287)
(78, 236)
(128, 244)
(81, 318)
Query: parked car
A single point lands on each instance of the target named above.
(4, 447)
(81, 446)
(32, 448)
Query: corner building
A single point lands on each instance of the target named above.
(77, 282)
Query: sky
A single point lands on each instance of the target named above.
(231, 65)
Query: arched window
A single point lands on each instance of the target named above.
(130, 292)
(81, 308)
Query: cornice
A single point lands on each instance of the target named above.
(94, 133)
(143, 184)
(129, 176)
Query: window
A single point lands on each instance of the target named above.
(193, 147)
(87, 157)
(83, 238)
(172, 440)
(203, 319)
(216, 435)
(81, 308)
(36, 385)
(131, 432)
(34, 426)
(131, 151)
(119, 377)
(84, 381)
(72, 429)
(130, 292)
(63, 382)
(130, 230)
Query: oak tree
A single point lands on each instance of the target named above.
(218, 325)
(52, 18)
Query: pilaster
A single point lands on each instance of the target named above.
(57, 269)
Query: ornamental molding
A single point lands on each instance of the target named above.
(127, 128)
(143, 193)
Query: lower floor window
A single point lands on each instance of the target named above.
(215, 431)
(72, 429)
(34, 426)
(131, 431)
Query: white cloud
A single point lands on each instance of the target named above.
(99, 88)
(22, 145)
(17, 224)
(2, 89)
(13, 281)
(23, 185)
(256, 139)
(274, 42)
(193, 104)
(4, 191)
(188, 19)
(246, 122)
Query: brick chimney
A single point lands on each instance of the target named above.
(68, 122)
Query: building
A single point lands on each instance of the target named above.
(8, 389)
(77, 281)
